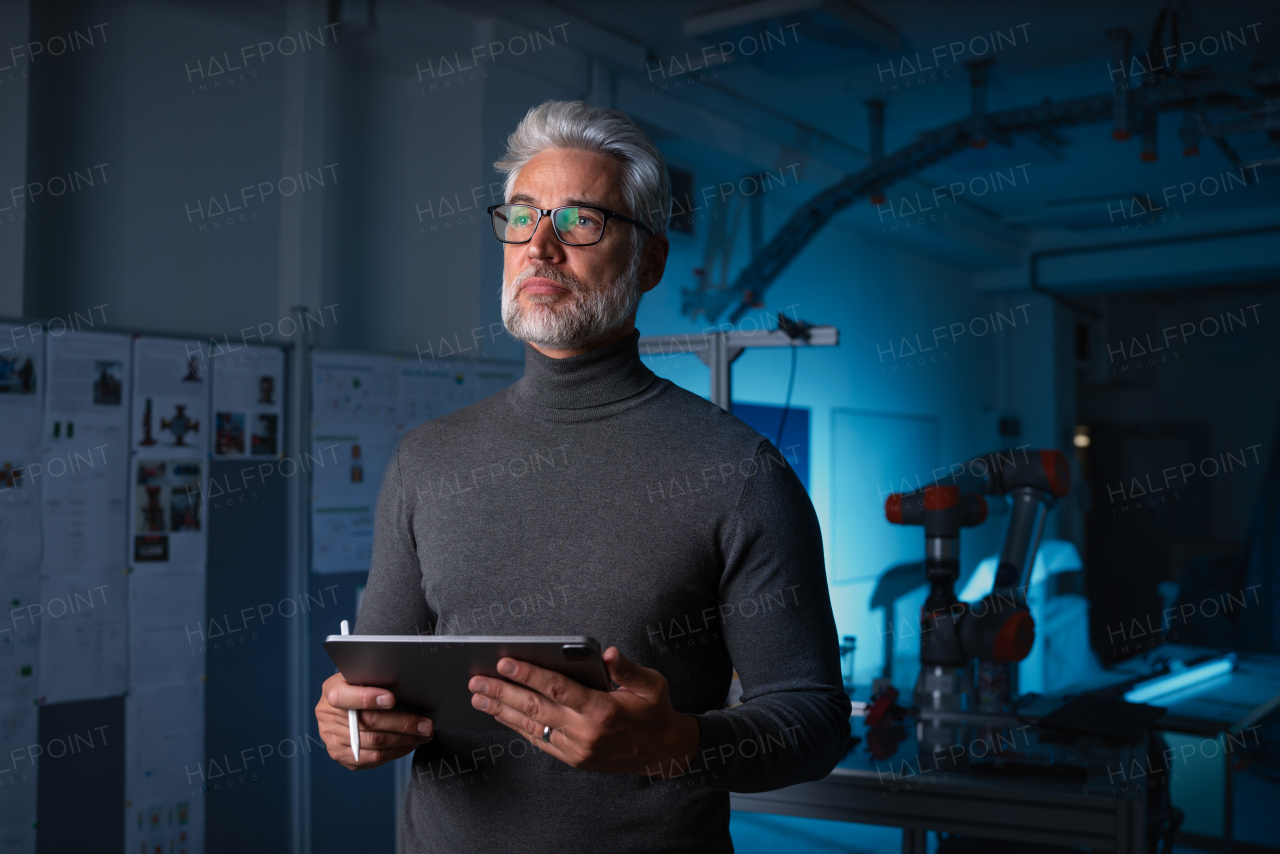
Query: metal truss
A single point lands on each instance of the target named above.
(1190, 92)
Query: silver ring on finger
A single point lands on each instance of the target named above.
(546, 734)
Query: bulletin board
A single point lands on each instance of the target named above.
(104, 488)
(143, 493)
(361, 406)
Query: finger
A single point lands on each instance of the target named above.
(337, 734)
(524, 711)
(556, 687)
(557, 746)
(379, 740)
(344, 696)
(496, 695)
(368, 758)
(395, 722)
(376, 748)
(628, 674)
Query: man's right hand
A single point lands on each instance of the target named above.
(384, 735)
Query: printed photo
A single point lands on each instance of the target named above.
(229, 436)
(153, 505)
(265, 440)
(108, 383)
(17, 375)
(184, 506)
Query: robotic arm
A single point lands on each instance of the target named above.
(1033, 486)
(998, 628)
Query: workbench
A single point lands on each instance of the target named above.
(921, 791)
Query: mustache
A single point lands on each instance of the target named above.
(560, 278)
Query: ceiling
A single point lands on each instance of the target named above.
(800, 104)
(806, 93)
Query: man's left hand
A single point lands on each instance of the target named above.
(632, 730)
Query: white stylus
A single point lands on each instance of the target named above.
(351, 716)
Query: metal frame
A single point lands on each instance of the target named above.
(718, 350)
(1122, 107)
(999, 809)
(300, 690)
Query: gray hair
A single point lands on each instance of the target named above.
(646, 187)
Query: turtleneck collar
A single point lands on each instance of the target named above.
(584, 386)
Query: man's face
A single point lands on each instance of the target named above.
(563, 298)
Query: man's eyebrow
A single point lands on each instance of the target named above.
(524, 199)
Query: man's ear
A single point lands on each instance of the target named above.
(654, 262)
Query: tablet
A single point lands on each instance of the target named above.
(428, 674)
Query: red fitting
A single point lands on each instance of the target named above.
(1148, 157)
(1056, 472)
(941, 497)
(979, 142)
(1191, 151)
(893, 508)
(881, 705)
(877, 198)
(1120, 135)
(1014, 640)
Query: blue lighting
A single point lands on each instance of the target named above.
(1144, 691)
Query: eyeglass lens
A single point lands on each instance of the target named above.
(573, 225)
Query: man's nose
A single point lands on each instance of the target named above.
(545, 245)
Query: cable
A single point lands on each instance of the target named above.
(794, 329)
(791, 385)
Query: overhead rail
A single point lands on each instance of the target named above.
(1244, 92)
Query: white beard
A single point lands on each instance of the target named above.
(581, 318)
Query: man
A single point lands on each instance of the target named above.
(593, 498)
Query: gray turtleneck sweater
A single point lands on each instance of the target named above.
(594, 498)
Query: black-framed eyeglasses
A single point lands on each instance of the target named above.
(574, 225)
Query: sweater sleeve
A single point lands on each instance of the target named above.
(793, 724)
(394, 602)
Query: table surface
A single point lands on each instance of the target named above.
(1006, 779)
(990, 752)
(1000, 779)
(1227, 703)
